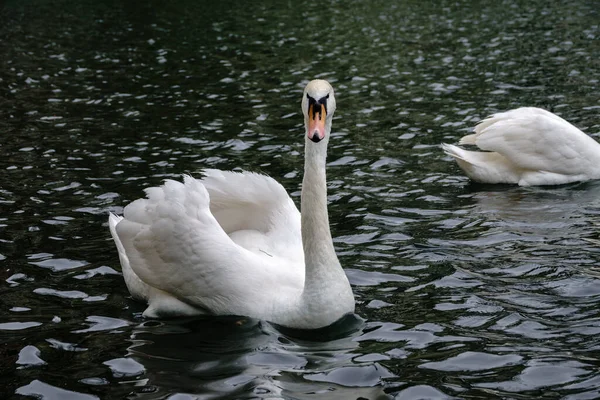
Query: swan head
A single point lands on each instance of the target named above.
(318, 106)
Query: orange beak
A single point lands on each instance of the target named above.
(316, 122)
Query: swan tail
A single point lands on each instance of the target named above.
(485, 167)
(113, 220)
(160, 304)
(455, 152)
(137, 288)
(468, 140)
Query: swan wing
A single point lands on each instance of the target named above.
(160, 303)
(537, 140)
(174, 243)
(249, 205)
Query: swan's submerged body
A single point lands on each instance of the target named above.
(528, 146)
(234, 243)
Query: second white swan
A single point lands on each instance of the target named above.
(235, 244)
(528, 146)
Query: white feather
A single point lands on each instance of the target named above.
(528, 146)
(234, 243)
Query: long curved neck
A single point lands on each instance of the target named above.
(327, 295)
(319, 254)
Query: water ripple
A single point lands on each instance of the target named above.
(467, 291)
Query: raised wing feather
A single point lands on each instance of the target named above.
(242, 201)
(174, 243)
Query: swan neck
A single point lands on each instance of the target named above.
(327, 294)
(316, 235)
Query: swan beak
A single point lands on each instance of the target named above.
(316, 122)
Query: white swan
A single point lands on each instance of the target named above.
(234, 243)
(528, 146)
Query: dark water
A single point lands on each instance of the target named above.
(463, 291)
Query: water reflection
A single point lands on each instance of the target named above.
(240, 357)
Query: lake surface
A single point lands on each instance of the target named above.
(463, 290)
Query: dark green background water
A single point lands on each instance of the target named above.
(466, 291)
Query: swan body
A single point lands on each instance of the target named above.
(528, 146)
(234, 243)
